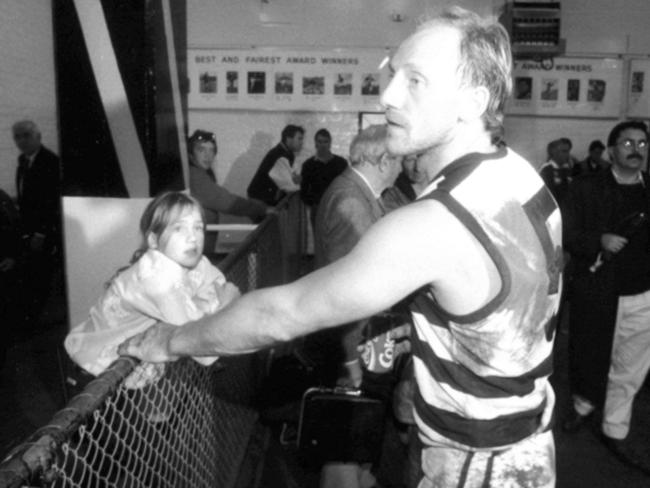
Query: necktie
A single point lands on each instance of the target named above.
(23, 167)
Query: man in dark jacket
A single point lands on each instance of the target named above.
(275, 177)
(9, 259)
(608, 236)
(38, 190)
(319, 171)
(214, 198)
(594, 162)
(556, 172)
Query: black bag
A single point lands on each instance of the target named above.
(340, 424)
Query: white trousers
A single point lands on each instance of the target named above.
(629, 363)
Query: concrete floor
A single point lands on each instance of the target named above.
(31, 390)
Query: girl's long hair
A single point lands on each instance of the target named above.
(157, 216)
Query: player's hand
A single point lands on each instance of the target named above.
(152, 345)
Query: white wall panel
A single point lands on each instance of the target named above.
(27, 86)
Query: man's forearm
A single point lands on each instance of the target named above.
(246, 325)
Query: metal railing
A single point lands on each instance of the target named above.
(191, 428)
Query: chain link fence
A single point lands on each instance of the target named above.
(192, 426)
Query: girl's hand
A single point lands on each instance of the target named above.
(227, 293)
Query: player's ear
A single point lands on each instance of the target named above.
(474, 102)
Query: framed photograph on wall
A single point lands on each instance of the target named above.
(567, 87)
(281, 79)
(367, 119)
(638, 97)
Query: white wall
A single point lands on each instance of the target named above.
(27, 87)
(590, 27)
(604, 26)
(530, 135)
(106, 227)
(304, 23)
(245, 136)
(27, 81)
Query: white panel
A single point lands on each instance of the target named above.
(309, 23)
(100, 236)
(176, 92)
(600, 26)
(27, 86)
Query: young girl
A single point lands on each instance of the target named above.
(168, 280)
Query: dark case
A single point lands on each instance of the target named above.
(340, 424)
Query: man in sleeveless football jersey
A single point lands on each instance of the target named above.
(482, 249)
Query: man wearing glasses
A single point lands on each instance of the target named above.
(608, 236)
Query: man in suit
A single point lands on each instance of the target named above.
(38, 190)
(349, 206)
(275, 177)
(9, 253)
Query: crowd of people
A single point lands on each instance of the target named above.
(480, 270)
(607, 242)
(473, 281)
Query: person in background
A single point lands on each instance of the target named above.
(38, 190)
(10, 252)
(319, 171)
(607, 233)
(349, 206)
(594, 161)
(486, 267)
(573, 161)
(556, 172)
(168, 279)
(275, 177)
(410, 183)
(213, 197)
